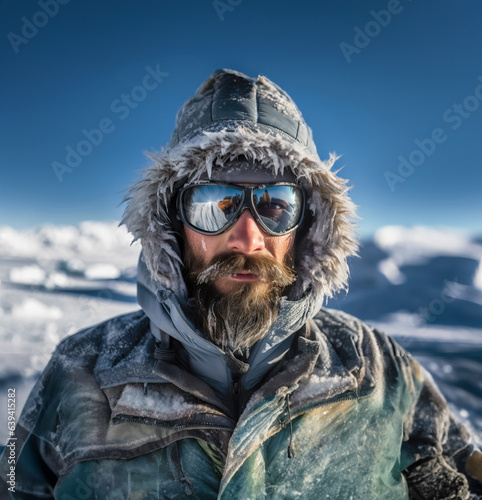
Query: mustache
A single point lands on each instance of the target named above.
(267, 268)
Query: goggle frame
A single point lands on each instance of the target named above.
(245, 203)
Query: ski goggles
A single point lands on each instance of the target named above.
(213, 208)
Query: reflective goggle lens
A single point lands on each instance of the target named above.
(211, 207)
(279, 207)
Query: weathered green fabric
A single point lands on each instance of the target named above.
(363, 414)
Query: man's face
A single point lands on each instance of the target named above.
(237, 278)
(245, 238)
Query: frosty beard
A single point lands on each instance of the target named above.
(242, 316)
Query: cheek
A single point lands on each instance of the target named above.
(280, 246)
(202, 247)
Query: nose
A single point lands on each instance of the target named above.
(246, 236)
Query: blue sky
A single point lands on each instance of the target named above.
(394, 86)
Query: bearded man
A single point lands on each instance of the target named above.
(233, 382)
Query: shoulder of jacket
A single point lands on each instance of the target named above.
(111, 332)
(71, 369)
(337, 318)
(340, 325)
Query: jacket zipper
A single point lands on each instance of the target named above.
(236, 394)
(122, 418)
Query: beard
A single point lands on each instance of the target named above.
(242, 315)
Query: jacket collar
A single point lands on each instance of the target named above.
(315, 371)
(167, 313)
(323, 363)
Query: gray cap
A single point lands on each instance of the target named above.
(242, 170)
(229, 99)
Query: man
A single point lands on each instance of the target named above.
(233, 382)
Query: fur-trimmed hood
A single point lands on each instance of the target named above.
(234, 116)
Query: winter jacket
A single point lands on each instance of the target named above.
(347, 414)
(145, 406)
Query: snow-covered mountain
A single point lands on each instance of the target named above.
(422, 285)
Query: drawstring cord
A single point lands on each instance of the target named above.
(162, 352)
(291, 453)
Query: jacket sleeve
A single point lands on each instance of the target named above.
(34, 477)
(438, 458)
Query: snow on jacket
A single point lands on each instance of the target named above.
(362, 419)
(144, 406)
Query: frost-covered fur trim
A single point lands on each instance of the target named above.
(320, 255)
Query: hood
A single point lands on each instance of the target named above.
(232, 116)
